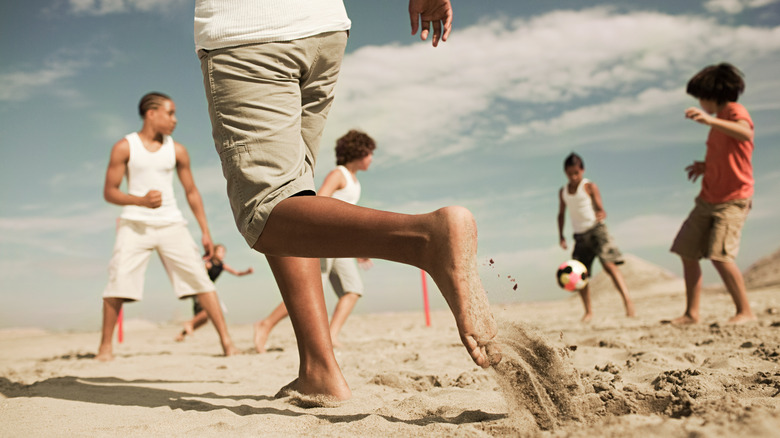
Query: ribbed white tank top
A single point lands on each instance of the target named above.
(229, 23)
(152, 171)
(351, 192)
(580, 205)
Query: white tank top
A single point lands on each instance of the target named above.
(151, 171)
(230, 23)
(580, 205)
(351, 192)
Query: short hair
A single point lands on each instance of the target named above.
(352, 146)
(573, 160)
(722, 83)
(150, 101)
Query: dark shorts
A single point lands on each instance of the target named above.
(593, 243)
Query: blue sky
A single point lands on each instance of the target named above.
(483, 121)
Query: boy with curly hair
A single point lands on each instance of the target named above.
(354, 153)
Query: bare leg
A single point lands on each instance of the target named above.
(443, 243)
(620, 284)
(210, 304)
(263, 328)
(300, 283)
(340, 313)
(190, 326)
(735, 284)
(585, 296)
(111, 308)
(692, 274)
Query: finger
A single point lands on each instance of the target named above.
(426, 25)
(447, 25)
(414, 18)
(436, 32)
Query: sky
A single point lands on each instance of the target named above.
(483, 121)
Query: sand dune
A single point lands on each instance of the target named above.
(614, 377)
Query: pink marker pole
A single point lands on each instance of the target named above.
(120, 334)
(425, 299)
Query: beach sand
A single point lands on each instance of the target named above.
(613, 377)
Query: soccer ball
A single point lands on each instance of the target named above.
(572, 275)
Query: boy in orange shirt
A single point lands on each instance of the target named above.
(714, 226)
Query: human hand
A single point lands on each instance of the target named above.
(152, 199)
(366, 264)
(436, 12)
(563, 243)
(698, 115)
(695, 170)
(249, 270)
(601, 215)
(208, 246)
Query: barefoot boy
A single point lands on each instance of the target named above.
(591, 238)
(151, 220)
(354, 152)
(214, 267)
(714, 226)
(270, 73)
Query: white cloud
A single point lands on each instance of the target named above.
(19, 86)
(105, 7)
(647, 231)
(498, 82)
(735, 6)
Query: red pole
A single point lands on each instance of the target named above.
(425, 299)
(120, 317)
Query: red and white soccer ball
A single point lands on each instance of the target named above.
(572, 275)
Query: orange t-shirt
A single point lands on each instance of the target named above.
(728, 173)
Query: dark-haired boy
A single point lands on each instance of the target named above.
(591, 237)
(714, 226)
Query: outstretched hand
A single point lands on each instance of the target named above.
(436, 12)
(698, 115)
(695, 170)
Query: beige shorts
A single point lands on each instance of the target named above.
(268, 104)
(135, 242)
(343, 276)
(712, 231)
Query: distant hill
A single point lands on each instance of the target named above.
(764, 273)
(637, 273)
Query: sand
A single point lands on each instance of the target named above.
(613, 377)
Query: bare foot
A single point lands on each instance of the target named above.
(685, 320)
(332, 391)
(741, 319)
(335, 342)
(187, 330)
(230, 350)
(262, 330)
(105, 354)
(586, 318)
(450, 259)
(630, 312)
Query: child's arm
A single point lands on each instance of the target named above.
(334, 181)
(561, 219)
(593, 190)
(739, 129)
(227, 267)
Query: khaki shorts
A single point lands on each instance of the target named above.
(343, 276)
(268, 104)
(712, 231)
(135, 242)
(596, 242)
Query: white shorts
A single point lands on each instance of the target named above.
(180, 256)
(343, 275)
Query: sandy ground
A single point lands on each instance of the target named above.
(614, 377)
